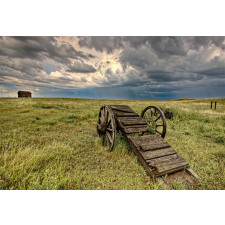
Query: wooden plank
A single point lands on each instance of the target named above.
(154, 146)
(133, 130)
(190, 171)
(120, 107)
(129, 119)
(146, 139)
(123, 114)
(115, 106)
(132, 121)
(169, 168)
(168, 164)
(139, 140)
(158, 153)
(126, 110)
(150, 142)
(165, 159)
(134, 126)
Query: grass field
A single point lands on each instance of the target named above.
(53, 144)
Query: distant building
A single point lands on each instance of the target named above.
(24, 94)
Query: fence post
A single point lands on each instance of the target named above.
(211, 104)
(215, 105)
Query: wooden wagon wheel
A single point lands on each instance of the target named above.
(106, 126)
(156, 120)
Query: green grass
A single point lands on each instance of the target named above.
(53, 144)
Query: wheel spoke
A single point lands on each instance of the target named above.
(109, 129)
(109, 137)
(159, 125)
(158, 132)
(106, 118)
(146, 117)
(108, 123)
(157, 118)
(102, 112)
(101, 120)
(150, 112)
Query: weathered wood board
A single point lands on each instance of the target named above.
(124, 114)
(166, 164)
(127, 121)
(133, 130)
(123, 111)
(157, 153)
(150, 142)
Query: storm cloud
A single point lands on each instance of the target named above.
(78, 67)
(113, 67)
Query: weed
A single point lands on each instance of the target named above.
(25, 111)
(52, 123)
(68, 119)
(220, 139)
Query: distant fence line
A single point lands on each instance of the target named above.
(212, 105)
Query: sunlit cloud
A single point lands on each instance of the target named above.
(55, 74)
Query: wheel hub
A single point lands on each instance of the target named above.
(101, 129)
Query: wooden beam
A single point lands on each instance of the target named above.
(158, 153)
(123, 114)
(165, 160)
(132, 121)
(133, 130)
(190, 171)
(170, 167)
(154, 146)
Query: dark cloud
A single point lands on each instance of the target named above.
(19, 48)
(141, 58)
(214, 72)
(21, 65)
(78, 67)
(162, 46)
(201, 41)
(108, 44)
(40, 48)
(166, 76)
(166, 46)
(91, 56)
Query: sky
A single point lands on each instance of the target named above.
(113, 67)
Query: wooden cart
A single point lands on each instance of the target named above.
(145, 135)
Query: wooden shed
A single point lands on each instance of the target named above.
(24, 94)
